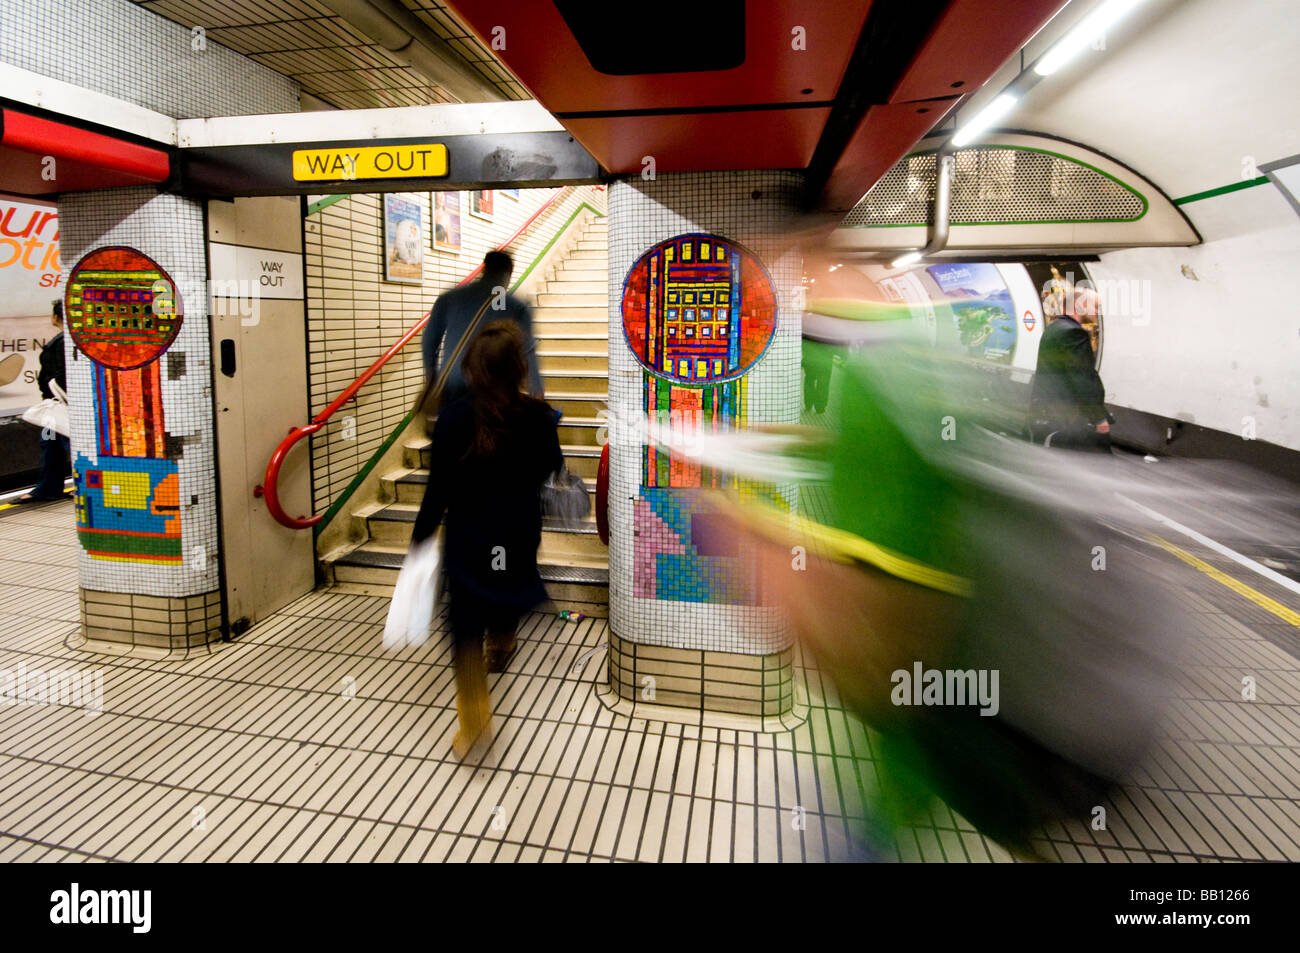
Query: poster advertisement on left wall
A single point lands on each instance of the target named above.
(403, 239)
(30, 282)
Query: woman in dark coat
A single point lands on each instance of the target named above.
(55, 451)
(492, 451)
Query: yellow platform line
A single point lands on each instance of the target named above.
(1261, 600)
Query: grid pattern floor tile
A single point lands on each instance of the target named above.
(303, 740)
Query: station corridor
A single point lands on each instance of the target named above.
(304, 741)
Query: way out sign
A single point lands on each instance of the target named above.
(370, 162)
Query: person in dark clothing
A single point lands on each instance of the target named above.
(493, 448)
(818, 363)
(55, 450)
(455, 309)
(1068, 397)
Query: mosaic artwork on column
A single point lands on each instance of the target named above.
(699, 312)
(123, 312)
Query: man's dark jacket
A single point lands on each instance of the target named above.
(450, 319)
(52, 366)
(1067, 389)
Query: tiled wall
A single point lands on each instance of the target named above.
(117, 48)
(752, 210)
(120, 49)
(169, 230)
(354, 315)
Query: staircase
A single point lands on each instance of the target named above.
(571, 324)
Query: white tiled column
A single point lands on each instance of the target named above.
(753, 210)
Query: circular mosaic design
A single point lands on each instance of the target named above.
(121, 309)
(698, 309)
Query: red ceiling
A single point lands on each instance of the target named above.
(774, 74)
(560, 76)
(703, 142)
(968, 43)
(81, 159)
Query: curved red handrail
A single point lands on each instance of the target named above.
(269, 488)
(602, 496)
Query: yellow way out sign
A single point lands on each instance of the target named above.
(371, 162)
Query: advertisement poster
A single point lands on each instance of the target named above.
(480, 203)
(403, 239)
(446, 221)
(29, 284)
(982, 309)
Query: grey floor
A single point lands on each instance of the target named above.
(303, 740)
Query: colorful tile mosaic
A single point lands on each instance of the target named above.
(675, 579)
(121, 308)
(698, 308)
(683, 553)
(123, 312)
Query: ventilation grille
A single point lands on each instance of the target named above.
(998, 185)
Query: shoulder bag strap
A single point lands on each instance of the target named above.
(432, 393)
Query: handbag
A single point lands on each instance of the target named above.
(415, 595)
(51, 413)
(565, 498)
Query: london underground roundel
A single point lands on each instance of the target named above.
(698, 309)
(121, 308)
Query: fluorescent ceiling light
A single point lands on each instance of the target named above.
(1086, 32)
(984, 118)
(903, 261)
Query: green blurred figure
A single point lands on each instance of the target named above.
(1002, 674)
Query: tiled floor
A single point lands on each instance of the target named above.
(304, 741)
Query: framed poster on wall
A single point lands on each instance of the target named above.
(480, 203)
(981, 307)
(446, 221)
(403, 239)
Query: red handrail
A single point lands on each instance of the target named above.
(270, 486)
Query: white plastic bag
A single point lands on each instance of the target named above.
(416, 595)
(51, 414)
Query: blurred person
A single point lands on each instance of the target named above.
(454, 311)
(1067, 400)
(818, 363)
(950, 550)
(55, 449)
(493, 447)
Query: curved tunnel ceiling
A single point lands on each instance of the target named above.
(1018, 193)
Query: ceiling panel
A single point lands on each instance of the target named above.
(700, 142)
(773, 71)
(331, 59)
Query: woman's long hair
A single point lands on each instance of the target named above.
(494, 369)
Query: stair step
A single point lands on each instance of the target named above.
(593, 252)
(596, 300)
(564, 284)
(407, 486)
(575, 363)
(584, 265)
(375, 567)
(560, 327)
(392, 525)
(572, 343)
(569, 381)
(585, 312)
(600, 244)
